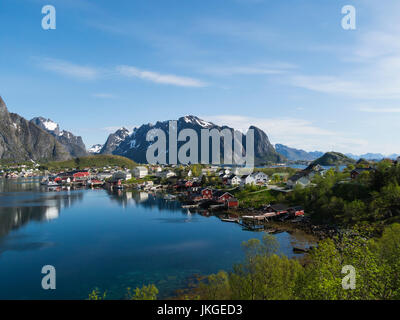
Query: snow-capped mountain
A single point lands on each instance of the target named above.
(73, 144)
(135, 145)
(114, 140)
(23, 140)
(47, 124)
(95, 149)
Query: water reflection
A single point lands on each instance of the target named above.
(23, 201)
(143, 199)
(110, 240)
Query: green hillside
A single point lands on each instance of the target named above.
(333, 159)
(92, 161)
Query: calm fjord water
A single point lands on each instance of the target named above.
(112, 241)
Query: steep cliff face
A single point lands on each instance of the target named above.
(23, 140)
(114, 140)
(73, 144)
(264, 151)
(134, 146)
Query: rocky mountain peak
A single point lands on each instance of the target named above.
(73, 144)
(114, 140)
(189, 119)
(47, 124)
(95, 149)
(22, 140)
(3, 107)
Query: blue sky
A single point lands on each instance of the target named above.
(286, 66)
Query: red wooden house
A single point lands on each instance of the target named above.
(278, 209)
(207, 193)
(222, 196)
(81, 174)
(232, 203)
(188, 184)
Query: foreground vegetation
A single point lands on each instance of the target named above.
(149, 292)
(265, 275)
(323, 274)
(373, 198)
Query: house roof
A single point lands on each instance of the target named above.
(279, 207)
(298, 175)
(297, 208)
(141, 168)
(220, 193)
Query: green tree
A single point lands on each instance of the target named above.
(149, 292)
(97, 295)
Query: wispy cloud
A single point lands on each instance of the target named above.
(170, 79)
(379, 110)
(371, 64)
(255, 69)
(298, 133)
(70, 69)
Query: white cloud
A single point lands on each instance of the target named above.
(371, 68)
(296, 133)
(156, 77)
(90, 73)
(70, 69)
(255, 69)
(379, 110)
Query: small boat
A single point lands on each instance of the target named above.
(44, 181)
(95, 183)
(50, 183)
(169, 197)
(234, 220)
(190, 206)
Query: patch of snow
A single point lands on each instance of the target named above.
(95, 148)
(50, 125)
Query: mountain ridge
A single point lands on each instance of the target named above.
(22, 140)
(73, 144)
(134, 145)
(297, 154)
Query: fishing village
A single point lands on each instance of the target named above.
(258, 200)
(206, 190)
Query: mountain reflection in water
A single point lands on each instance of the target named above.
(109, 240)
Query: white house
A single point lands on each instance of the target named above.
(166, 174)
(104, 175)
(121, 175)
(157, 169)
(302, 180)
(224, 172)
(260, 177)
(234, 180)
(248, 180)
(140, 172)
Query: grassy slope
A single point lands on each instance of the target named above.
(92, 161)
